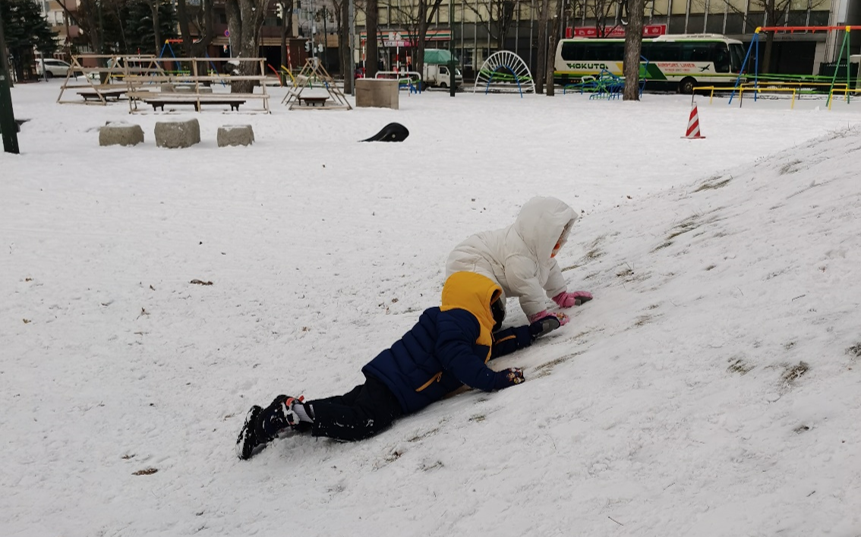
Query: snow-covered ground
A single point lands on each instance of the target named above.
(712, 388)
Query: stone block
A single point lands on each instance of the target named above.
(235, 135)
(120, 134)
(173, 134)
(377, 92)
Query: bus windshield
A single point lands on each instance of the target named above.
(736, 52)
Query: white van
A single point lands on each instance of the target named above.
(52, 67)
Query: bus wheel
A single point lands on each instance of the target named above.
(686, 86)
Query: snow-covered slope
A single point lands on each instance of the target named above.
(710, 389)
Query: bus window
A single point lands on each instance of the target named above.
(737, 55)
(598, 51)
(572, 51)
(663, 52)
(720, 57)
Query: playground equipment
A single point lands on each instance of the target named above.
(408, 80)
(607, 85)
(504, 72)
(99, 84)
(189, 87)
(808, 81)
(314, 72)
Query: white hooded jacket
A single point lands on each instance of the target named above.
(518, 257)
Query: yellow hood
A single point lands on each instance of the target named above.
(474, 293)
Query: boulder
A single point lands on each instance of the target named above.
(120, 134)
(235, 135)
(173, 134)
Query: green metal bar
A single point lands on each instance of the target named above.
(845, 45)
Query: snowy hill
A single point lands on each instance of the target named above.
(710, 389)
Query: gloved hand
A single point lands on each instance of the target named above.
(566, 300)
(543, 326)
(508, 377)
(561, 317)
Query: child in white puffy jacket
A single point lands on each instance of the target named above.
(520, 257)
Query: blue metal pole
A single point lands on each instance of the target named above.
(744, 64)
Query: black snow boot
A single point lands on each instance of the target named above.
(263, 425)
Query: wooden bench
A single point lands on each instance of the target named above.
(106, 94)
(159, 102)
(313, 101)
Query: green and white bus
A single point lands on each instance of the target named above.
(676, 61)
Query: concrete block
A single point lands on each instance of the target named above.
(377, 92)
(120, 134)
(235, 135)
(175, 134)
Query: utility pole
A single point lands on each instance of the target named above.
(452, 65)
(352, 22)
(7, 115)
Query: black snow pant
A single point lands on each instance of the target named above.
(361, 413)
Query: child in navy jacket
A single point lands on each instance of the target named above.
(449, 347)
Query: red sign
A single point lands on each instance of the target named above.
(649, 30)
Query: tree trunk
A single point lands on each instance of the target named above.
(551, 52)
(633, 50)
(543, 18)
(347, 64)
(156, 23)
(766, 55)
(245, 17)
(285, 16)
(184, 28)
(372, 24)
(419, 60)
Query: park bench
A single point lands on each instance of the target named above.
(106, 94)
(159, 101)
(313, 101)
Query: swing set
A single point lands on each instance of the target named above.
(741, 87)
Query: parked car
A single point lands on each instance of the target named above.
(52, 67)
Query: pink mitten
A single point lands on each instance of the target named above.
(566, 300)
(563, 319)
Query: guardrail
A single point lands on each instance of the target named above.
(844, 91)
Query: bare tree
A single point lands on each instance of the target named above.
(372, 17)
(86, 17)
(416, 19)
(499, 19)
(244, 20)
(633, 49)
(286, 27)
(546, 10)
(776, 13)
(603, 12)
(341, 9)
(551, 49)
(153, 6)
